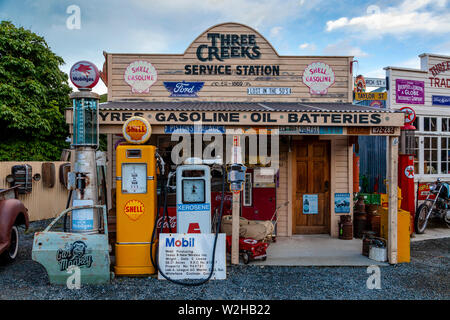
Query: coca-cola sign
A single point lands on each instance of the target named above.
(84, 74)
(318, 77)
(140, 76)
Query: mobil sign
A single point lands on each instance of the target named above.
(189, 256)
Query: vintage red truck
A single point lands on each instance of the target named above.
(13, 214)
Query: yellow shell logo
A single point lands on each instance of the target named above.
(136, 130)
(134, 209)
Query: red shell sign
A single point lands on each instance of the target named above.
(84, 74)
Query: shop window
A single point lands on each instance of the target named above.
(430, 155)
(445, 125)
(445, 155)
(429, 124)
(416, 155)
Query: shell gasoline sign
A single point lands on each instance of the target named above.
(136, 130)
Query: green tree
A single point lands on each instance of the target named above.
(33, 95)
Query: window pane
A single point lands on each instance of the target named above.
(426, 142)
(434, 143)
(433, 124)
(444, 124)
(444, 167)
(426, 124)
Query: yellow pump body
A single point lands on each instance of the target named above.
(135, 209)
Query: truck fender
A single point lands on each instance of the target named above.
(12, 211)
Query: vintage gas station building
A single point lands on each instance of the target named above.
(231, 77)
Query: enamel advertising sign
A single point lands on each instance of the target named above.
(183, 88)
(140, 76)
(409, 91)
(318, 77)
(84, 74)
(136, 130)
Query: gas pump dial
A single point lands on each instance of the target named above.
(193, 191)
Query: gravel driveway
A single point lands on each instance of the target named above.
(426, 277)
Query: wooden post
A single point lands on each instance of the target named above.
(393, 199)
(235, 228)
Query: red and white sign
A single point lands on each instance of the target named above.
(410, 114)
(140, 76)
(84, 74)
(318, 77)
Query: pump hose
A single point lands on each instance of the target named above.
(155, 261)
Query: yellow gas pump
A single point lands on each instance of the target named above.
(135, 200)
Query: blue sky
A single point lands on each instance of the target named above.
(378, 33)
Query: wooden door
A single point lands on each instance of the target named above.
(312, 178)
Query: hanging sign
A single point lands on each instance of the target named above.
(318, 77)
(409, 91)
(136, 130)
(370, 95)
(140, 76)
(84, 74)
(376, 82)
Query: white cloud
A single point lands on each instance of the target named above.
(343, 48)
(256, 13)
(408, 17)
(275, 31)
(308, 47)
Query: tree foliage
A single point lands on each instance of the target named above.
(33, 95)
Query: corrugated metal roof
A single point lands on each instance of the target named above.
(238, 106)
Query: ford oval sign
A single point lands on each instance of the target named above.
(84, 74)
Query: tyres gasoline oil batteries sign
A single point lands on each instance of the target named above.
(189, 256)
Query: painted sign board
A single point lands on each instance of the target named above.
(248, 118)
(189, 256)
(310, 204)
(268, 91)
(342, 202)
(370, 95)
(140, 76)
(375, 82)
(409, 91)
(441, 100)
(318, 77)
(194, 128)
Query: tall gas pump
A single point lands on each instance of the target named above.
(193, 199)
(135, 200)
(406, 164)
(81, 249)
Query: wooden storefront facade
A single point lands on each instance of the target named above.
(231, 77)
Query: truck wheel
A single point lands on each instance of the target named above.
(11, 253)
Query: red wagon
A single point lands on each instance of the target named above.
(250, 249)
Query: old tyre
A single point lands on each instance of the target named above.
(420, 220)
(11, 253)
(246, 258)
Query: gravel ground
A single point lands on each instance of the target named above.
(426, 277)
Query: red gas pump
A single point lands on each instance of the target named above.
(406, 184)
(406, 164)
